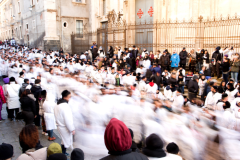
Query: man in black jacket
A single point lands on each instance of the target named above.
(134, 54)
(94, 53)
(157, 78)
(36, 91)
(193, 87)
(216, 62)
(183, 58)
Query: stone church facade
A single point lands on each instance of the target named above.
(49, 24)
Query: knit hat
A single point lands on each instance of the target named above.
(117, 137)
(77, 154)
(54, 148)
(6, 151)
(172, 148)
(6, 80)
(154, 147)
(57, 156)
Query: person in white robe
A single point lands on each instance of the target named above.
(48, 107)
(236, 112)
(151, 88)
(178, 102)
(13, 103)
(20, 79)
(64, 120)
(231, 92)
(212, 98)
(201, 83)
(226, 118)
(142, 84)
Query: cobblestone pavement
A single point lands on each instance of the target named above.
(10, 130)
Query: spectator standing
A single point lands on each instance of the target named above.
(216, 62)
(235, 67)
(28, 106)
(183, 58)
(12, 91)
(225, 68)
(193, 88)
(175, 60)
(2, 101)
(36, 91)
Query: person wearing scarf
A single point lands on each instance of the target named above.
(118, 141)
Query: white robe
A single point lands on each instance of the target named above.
(12, 95)
(48, 107)
(64, 120)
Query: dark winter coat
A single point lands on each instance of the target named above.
(28, 104)
(216, 55)
(172, 81)
(207, 58)
(128, 156)
(164, 61)
(193, 86)
(157, 79)
(36, 91)
(199, 57)
(183, 56)
(94, 53)
(22, 89)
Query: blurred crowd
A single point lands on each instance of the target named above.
(129, 104)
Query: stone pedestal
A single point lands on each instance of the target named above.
(52, 45)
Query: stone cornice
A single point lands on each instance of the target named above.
(74, 17)
(51, 10)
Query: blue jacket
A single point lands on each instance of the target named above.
(155, 70)
(175, 60)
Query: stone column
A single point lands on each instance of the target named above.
(51, 40)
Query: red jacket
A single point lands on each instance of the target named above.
(2, 97)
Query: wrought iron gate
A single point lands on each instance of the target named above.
(160, 35)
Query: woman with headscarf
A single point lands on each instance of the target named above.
(118, 141)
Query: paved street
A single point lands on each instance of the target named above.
(9, 132)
